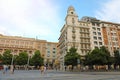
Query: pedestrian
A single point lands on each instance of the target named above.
(42, 69)
(45, 69)
(5, 68)
(65, 68)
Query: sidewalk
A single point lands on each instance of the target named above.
(59, 75)
(29, 75)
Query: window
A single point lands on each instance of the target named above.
(2, 40)
(13, 42)
(81, 46)
(53, 55)
(48, 55)
(95, 37)
(48, 51)
(94, 33)
(93, 24)
(98, 29)
(100, 43)
(102, 24)
(95, 42)
(99, 33)
(93, 28)
(73, 30)
(96, 46)
(71, 12)
(54, 52)
(99, 38)
(87, 30)
(73, 21)
(97, 24)
(84, 30)
(112, 38)
(116, 39)
(54, 48)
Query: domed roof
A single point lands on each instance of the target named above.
(71, 8)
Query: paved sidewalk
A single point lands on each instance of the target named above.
(59, 75)
(31, 75)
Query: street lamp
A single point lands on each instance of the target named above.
(12, 67)
(28, 61)
(12, 58)
(78, 61)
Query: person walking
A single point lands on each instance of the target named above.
(5, 68)
(42, 69)
(45, 69)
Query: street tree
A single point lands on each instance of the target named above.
(72, 57)
(0, 58)
(107, 56)
(22, 58)
(116, 57)
(15, 59)
(36, 59)
(7, 57)
(98, 57)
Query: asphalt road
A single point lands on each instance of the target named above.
(59, 75)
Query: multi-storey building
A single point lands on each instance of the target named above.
(17, 44)
(51, 53)
(86, 34)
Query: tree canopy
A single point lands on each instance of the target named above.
(116, 57)
(7, 57)
(36, 60)
(98, 57)
(72, 57)
(22, 58)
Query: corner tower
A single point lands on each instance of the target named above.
(72, 17)
(69, 36)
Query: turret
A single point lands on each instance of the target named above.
(71, 18)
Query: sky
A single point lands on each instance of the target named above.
(43, 19)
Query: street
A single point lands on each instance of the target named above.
(59, 75)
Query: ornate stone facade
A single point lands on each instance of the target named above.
(86, 34)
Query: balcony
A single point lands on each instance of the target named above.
(84, 32)
(83, 42)
(84, 36)
(73, 31)
(73, 36)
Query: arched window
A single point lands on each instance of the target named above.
(73, 21)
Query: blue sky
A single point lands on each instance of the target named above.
(45, 18)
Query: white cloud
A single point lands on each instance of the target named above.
(28, 17)
(109, 11)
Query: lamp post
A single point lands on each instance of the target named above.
(28, 62)
(12, 58)
(78, 61)
(12, 67)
